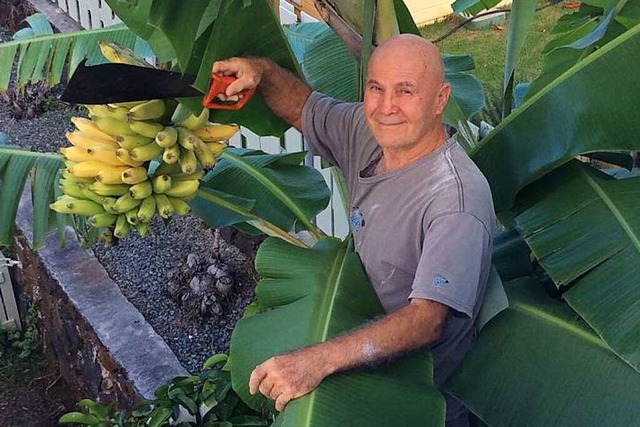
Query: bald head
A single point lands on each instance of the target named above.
(406, 47)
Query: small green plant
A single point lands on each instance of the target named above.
(206, 400)
(21, 343)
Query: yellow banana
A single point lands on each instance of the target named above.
(141, 190)
(150, 110)
(171, 155)
(161, 183)
(104, 154)
(104, 219)
(167, 137)
(111, 175)
(180, 207)
(204, 155)
(122, 226)
(216, 148)
(194, 122)
(147, 209)
(89, 128)
(146, 152)
(186, 138)
(132, 216)
(125, 203)
(85, 140)
(134, 175)
(113, 126)
(70, 205)
(123, 155)
(183, 188)
(75, 154)
(88, 169)
(215, 132)
(102, 189)
(188, 161)
(132, 141)
(70, 177)
(146, 128)
(187, 176)
(117, 113)
(121, 55)
(163, 206)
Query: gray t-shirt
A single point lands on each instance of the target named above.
(422, 231)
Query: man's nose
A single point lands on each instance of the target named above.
(388, 104)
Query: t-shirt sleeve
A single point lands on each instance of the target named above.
(450, 265)
(326, 125)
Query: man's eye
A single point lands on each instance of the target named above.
(374, 88)
(405, 91)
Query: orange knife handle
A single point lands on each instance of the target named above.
(218, 86)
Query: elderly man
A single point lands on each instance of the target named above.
(421, 213)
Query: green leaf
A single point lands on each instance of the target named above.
(160, 415)
(214, 360)
(44, 58)
(556, 370)
(536, 133)
(45, 178)
(309, 296)
(78, 418)
(247, 421)
(584, 229)
(520, 20)
(284, 191)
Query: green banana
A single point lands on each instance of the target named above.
(107, 204)
(204, 155)
(188, 161)
(141, 190)
(104, 219)
(109, 189)
(167, 137)
(171, 155)
(186, 138)
(146, 152)
(132, 216)
(194, 122)
(153, 109)
(131, 141)
(90, 195)
(183, 188)
(73, 189)
(71, 205)
(147, 209)
(180, 207)
(187, 176)
(125, 203)
(167, 169)
(161, 183)
(163, 206)
(142, 229)
(146, 128)
(122, 226)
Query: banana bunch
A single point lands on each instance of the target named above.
(108, 176)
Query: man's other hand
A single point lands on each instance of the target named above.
(248, 72)
(288, 376)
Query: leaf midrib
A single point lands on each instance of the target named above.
(335, 277)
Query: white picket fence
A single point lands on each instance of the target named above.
(93, 14)
(9, 316)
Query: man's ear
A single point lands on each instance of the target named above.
(443, 97)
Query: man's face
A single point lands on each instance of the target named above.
(403, 99)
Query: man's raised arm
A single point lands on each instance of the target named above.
(284, 93)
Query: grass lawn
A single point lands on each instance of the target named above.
(487, 46)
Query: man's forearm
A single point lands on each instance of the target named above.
(284, 93)
(409, 328)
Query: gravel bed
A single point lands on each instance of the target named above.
(139, 265)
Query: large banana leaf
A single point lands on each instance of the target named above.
(15, 167)
(308, 296)
(583, 227)
(566, 118)
(537, 364)
(274, 187)
(48, 58)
